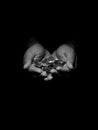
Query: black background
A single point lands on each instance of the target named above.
(52, 27)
